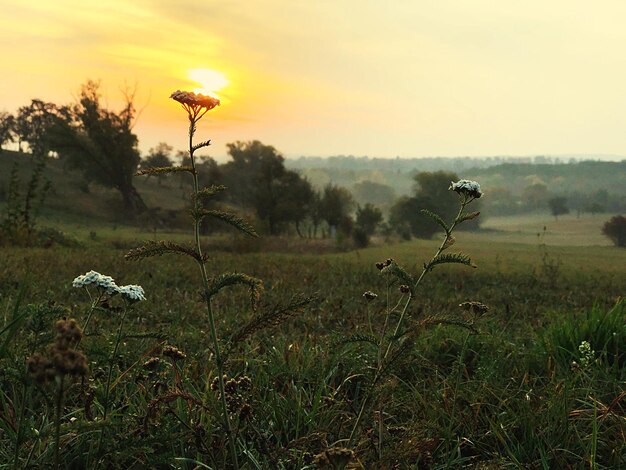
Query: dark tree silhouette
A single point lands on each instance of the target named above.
(7, 128)
(558, 206)
(615, 229)
(257, 178)
(101, 143)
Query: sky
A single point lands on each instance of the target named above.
(406, 78)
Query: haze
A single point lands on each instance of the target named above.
(386, 79)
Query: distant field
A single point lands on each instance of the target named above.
(567, 230)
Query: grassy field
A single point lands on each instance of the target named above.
(507, 397)
(318, 375)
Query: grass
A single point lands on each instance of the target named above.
(501, 399)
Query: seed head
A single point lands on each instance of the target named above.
(68, 333)
(369, 295)
(245, 384)
(174, 353)
(152, 363)
(405, 289)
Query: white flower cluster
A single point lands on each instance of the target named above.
(132, 292)
(99, 280)
(466, 187)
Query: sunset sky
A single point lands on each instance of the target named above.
(406, 78)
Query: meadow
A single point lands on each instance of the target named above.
(516, 390)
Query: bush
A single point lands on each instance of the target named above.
(615, 229)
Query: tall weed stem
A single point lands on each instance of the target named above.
(193, 118)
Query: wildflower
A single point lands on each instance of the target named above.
(194, 103)
(369, 295)
(132, 292)
(466, 188)
(106, 283)
(587, 354)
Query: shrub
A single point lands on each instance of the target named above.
(615, 229)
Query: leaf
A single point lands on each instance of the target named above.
(211, 191)
(458, 258)
(271, 318)
(470, 216)
(229, 218)
(198, 146)
(162, 248)
(232, 279)
(437, 219)
(164, 169)
(398, 271)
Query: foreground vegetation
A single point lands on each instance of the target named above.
(507, 397)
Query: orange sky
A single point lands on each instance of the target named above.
(407, 78)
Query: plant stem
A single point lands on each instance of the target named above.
(18, 438)
(205, 285)
(107, 390)
(444, 244)
(57, 424)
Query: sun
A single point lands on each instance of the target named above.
(210, 81)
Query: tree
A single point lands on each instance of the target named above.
(558, 206)
(335, 206)
(158, 156)
(374, 193)
(257, 178)
(32, 124)
(368, 218)
(535, 196)
(101, 143)
(615, 229)
(7, 128)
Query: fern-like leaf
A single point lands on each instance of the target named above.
(269, 319)
(162, 248)
(200, 145)
(458, 258)
(437, 219)
(233, 279)
(470, 216)
(399, 272)
(164, 169)
(230, 219)
(211, 191)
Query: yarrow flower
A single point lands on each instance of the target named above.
(107, 283)
(132, 292)
(195, 102)
(467, 188)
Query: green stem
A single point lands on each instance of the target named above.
(57, 424)
(89, 314)
(205, 285)
(107, 390)
(379, 368)
(18, 439)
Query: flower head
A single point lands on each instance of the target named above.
(466, 188)
(107, 283)
(132, 292)
(195, 103)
